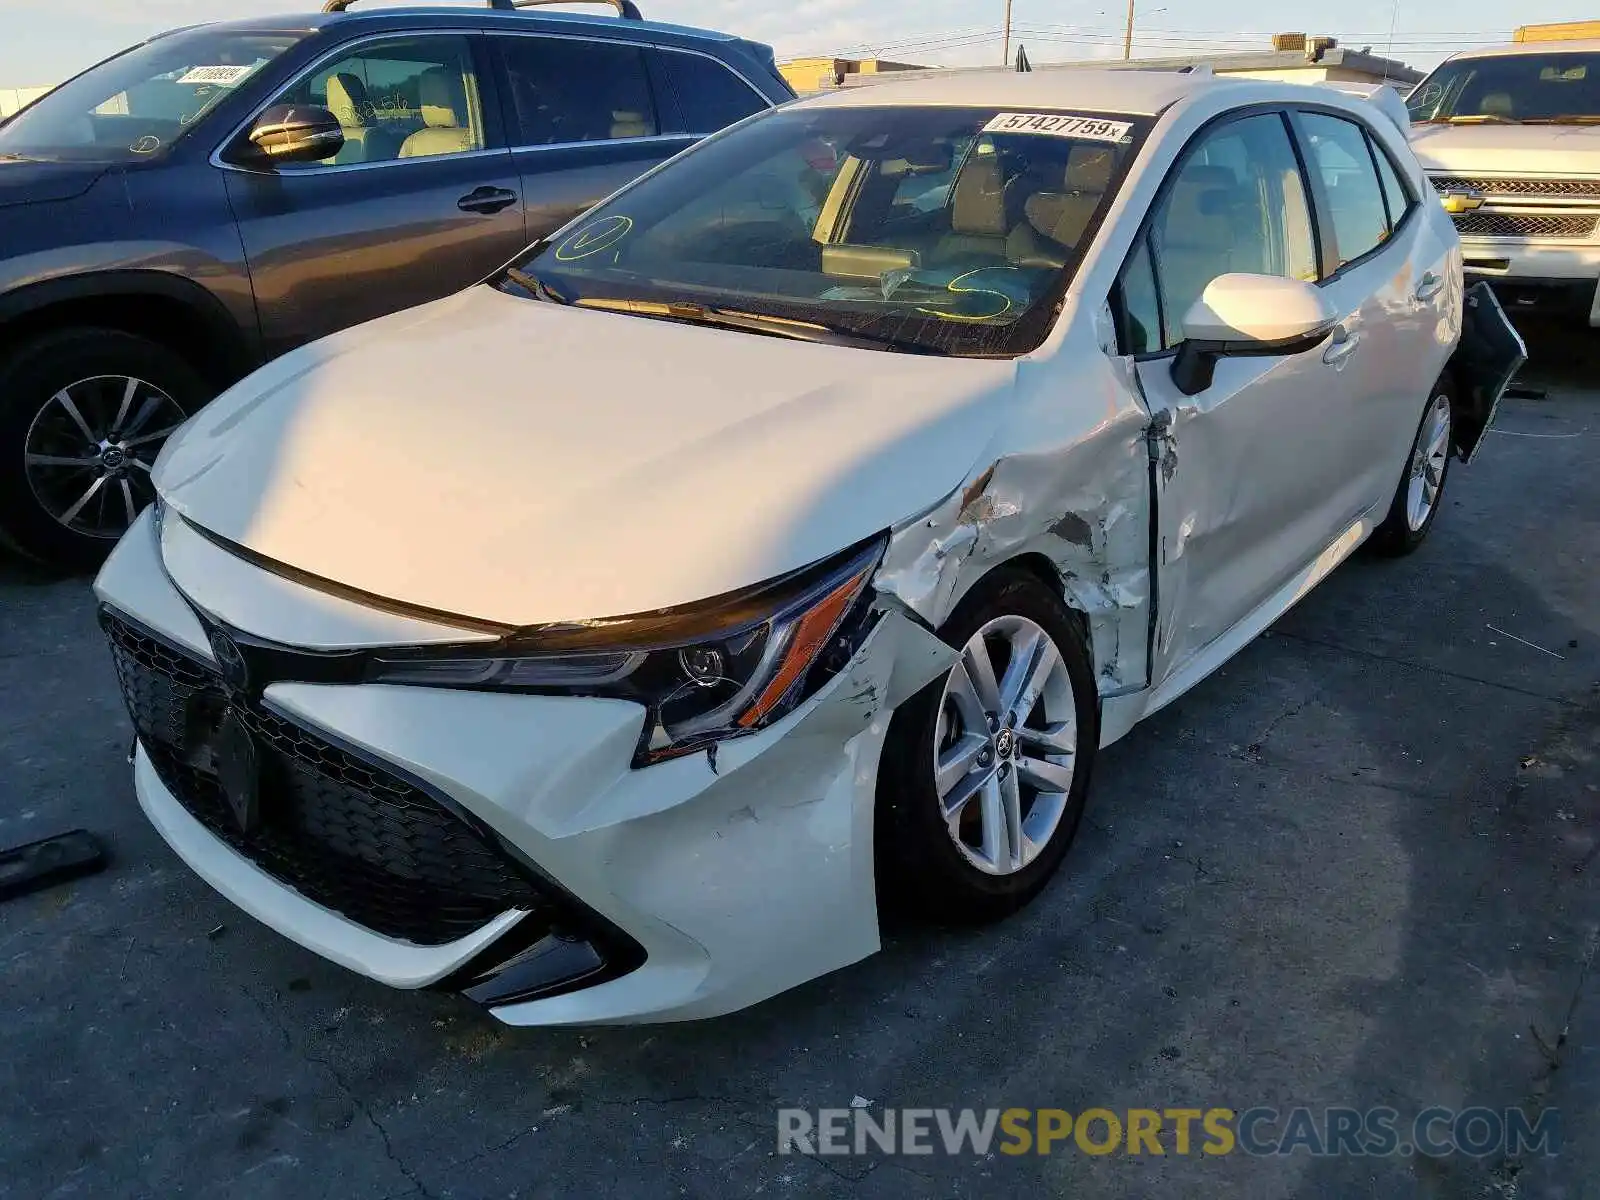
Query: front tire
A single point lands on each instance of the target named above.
(1420, 494)
(986, 770)
(83, 414)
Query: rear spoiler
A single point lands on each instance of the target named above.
(1384, 97)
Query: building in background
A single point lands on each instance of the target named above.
(822, 74)
(12, 99)
(1564, 31)
(1293, 57)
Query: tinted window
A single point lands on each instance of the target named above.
(570, 91)
(709, 95)
(410, 98)
(1236, 203)
(1394, 189)
(1338, 153)
(1138, 307)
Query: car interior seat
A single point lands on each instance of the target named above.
(1497, 104)
(1197, 239)
(442, 96)
(1056, 220)
(364, 139)
(630, 125)
(978, 224)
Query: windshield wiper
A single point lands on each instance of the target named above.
(752, 322)
(536, 286)
(1475, 119)
(1564, 119)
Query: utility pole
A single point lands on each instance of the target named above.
(1005, 41)
(1127, 36)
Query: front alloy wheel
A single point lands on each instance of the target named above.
(83, 415)
(985, 771)
(88, 453)
(1006, 745)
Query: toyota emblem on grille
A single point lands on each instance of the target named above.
(235, 674)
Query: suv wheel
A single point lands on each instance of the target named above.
(83, 414)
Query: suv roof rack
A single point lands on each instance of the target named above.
(626, 9)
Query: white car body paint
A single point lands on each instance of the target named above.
(1523, 153)
(428, 459)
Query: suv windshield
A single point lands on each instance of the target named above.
(938, 230)
(138, 103)
(1548, 87)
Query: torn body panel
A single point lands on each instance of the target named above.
(1078, 496)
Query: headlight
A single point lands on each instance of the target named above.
(704, 673)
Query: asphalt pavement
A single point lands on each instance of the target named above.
(1356, 868)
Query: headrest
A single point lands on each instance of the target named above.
(347, 99)
(1496, 104)
(977, 206)
(440, 96)
(1198, 175)
(1089, 169)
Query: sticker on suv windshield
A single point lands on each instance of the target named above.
(221, 76)
(1060, 125)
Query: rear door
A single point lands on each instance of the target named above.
(423, 200)
(1386, 278)
(584, 120)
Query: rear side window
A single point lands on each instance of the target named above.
(564, 90)
(1395, 192)
(709, 95)
(1337, 150)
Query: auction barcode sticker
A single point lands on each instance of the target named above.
(222, 76)
(1060, 125)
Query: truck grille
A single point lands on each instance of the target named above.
(1524, 225)
(1555, 189)
(341, 829)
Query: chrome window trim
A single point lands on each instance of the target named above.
(388, 35)
(218, 161)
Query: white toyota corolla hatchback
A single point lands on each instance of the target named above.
(781, 540)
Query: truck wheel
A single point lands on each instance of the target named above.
(83, 414)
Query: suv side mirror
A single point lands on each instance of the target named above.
(1237, 315)
(290, 133)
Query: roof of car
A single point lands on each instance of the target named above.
(466, 14)
(1138, 93)
(1576, 45)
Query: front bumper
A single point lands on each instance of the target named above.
(734, 879)
(1551, 279)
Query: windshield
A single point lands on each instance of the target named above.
(941, 230)
(1546, 87)
(138, 103)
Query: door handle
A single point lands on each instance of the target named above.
(1430, 287)
(1344, 344)
(487, 200)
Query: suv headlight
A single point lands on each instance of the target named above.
(704, 673)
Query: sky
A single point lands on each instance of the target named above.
(44, 41)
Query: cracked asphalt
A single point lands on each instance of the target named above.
(1355, 868)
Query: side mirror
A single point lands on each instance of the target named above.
(1238, 315)
(291, 133)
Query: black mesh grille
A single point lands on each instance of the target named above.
(340, 829)
(1524, 225)
(1563, 189)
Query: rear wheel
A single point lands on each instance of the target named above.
(987, 768)
(1420, 494)
(83, 414)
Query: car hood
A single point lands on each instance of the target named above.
(24, 181)
(521, 462)
(1508, 149)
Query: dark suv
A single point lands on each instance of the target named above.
(199, 204)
